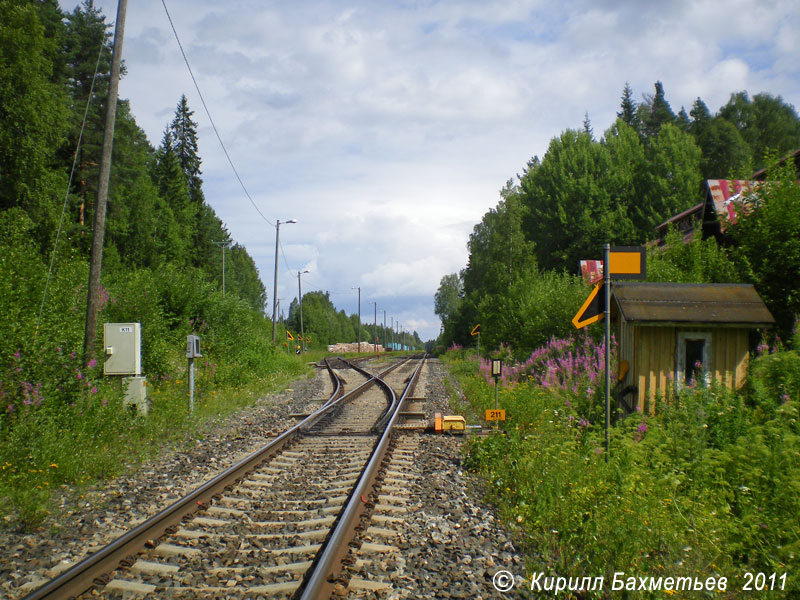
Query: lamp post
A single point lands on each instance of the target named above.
(359, 316)
(223, 244)
(275, 283)
(300, 300)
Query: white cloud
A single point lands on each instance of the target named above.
(387, 129)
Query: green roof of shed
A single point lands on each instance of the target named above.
(708, 303)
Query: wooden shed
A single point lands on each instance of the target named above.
(671, 333)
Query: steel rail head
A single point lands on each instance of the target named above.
(80, 576)
(317, 583)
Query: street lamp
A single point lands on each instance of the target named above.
(275, 284)
(300, 299)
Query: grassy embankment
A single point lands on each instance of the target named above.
(708, 486)
(62, 422)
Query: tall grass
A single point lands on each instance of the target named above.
(708, 486)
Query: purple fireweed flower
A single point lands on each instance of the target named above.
(16, 354)
(79, 375)
(94, 391)
(10, 408)
(761, 349)
(92, 363)
(785, 397)
(642, 427)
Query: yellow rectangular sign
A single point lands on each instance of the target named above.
(627, 262)
(496, 414)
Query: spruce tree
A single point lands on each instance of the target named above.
(184, 145)
(628, 107)
(655, 112)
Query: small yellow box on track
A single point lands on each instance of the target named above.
(454, 424)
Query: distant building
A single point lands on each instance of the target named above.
(712, 216)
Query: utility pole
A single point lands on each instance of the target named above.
(223, 243)
(384, 331)
(375, 326)
(96, 257)
(359, 317)
(275, 282)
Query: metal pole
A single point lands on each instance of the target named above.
(98, 233)
(222, 244)
(359, 319)
(275, 282)
(375, 326)
(607, 286)
(300, 296)
(191, 386)
(392, 333)
(384, 331)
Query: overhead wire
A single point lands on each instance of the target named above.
(208, 114)
(69, 185)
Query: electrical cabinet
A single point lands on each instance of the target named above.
(193, 346)
(122, 343)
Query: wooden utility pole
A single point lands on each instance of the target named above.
(96, 257)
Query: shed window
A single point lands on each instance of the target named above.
(693, 361)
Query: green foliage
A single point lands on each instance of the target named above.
(696, 261)
(766, 122)
(766, 242)
(703, 488)
(32, 118)
(538, 305)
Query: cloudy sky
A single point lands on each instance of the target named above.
(387, 129)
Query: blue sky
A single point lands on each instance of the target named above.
(387, 129)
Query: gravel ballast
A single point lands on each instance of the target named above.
(455, 544)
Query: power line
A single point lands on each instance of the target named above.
(69, 184)
(208, 114)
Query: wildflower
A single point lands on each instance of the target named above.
(16, 354)
(642, 428)
(785, 397)
(53, 466)
(92, 363)
(10, 408)
(58, 349)
(79, 375)
(598, 450)
(94, 390)
(761, 349)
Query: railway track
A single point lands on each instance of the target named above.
(276, 524)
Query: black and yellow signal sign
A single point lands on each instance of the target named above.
(592, 309)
